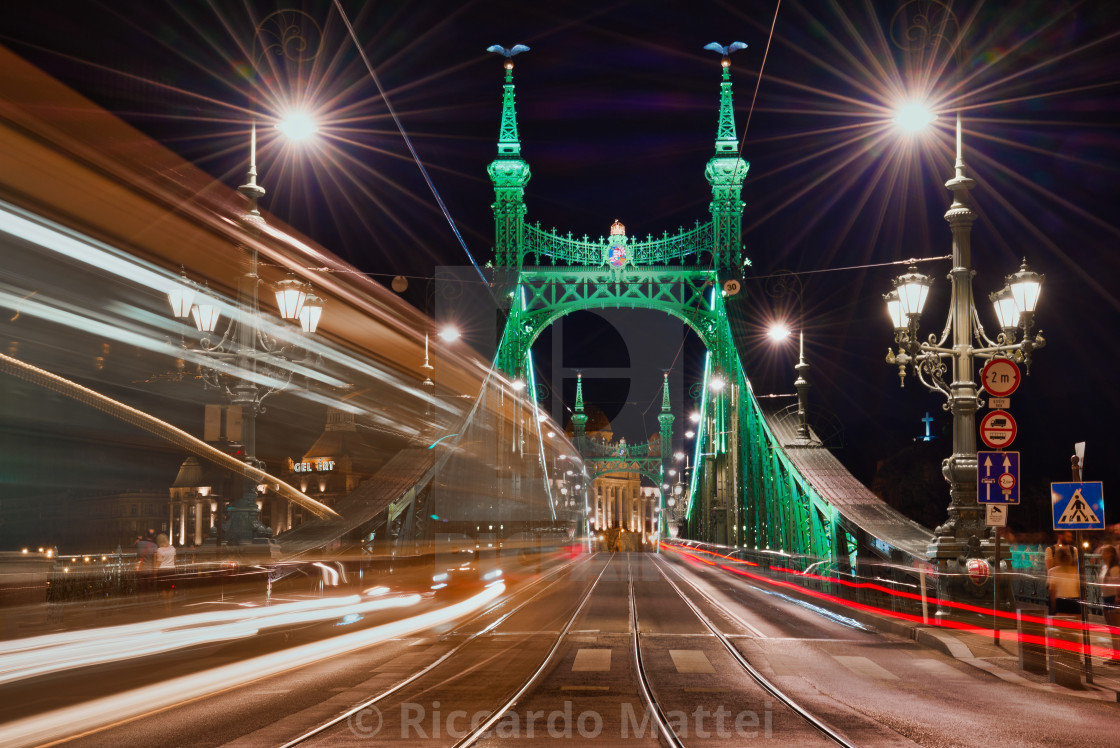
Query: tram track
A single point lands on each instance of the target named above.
(476, 734)
(753, 672)
(372, 702)
(657, 711)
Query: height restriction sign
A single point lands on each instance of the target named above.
(1000, 377)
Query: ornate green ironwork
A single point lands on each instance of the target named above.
(725, 173)
(579, 418)
(569, 250)
(775, 506)
(517, 242)
(509, 174)
(543, 295)
(601, 457)
(744, 490)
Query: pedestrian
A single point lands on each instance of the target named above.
(165, 569)
(145, 564)
(1110, 594)
(1064, 586)
(1064, 539)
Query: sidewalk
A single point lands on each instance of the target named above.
(1000, 658)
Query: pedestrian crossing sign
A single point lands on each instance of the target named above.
(1077, 506)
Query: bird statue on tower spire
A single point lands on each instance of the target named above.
(509, 173)
(726, 171)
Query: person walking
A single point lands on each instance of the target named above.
(1110, 594)
(1063, 583)
(165, 569)
(145, 564)
(1064, 539)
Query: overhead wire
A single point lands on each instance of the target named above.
(412, 150)
(742, 145)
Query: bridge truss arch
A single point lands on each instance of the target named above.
(542, 296)
(752, 484)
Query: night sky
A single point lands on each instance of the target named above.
(617, 106)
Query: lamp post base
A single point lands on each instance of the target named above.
(965, 575)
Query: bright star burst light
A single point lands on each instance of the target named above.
(778, 332)
(297, 126)
(914, 117)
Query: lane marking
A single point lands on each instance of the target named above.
(585, 688)
(592, 661)
(865, 667)
(937, 668)
(691, 661)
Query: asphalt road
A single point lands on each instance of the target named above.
(564, 645)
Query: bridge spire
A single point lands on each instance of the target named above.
(665, 418)
(579, 418)
(725, 173)
(508, 172)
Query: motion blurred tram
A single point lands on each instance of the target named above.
(106, 392)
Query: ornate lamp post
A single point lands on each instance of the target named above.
(947, 365)
(249, 363)
(782, 284)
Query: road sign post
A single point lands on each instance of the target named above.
(995, 517)
(995, 582)
(997, 473)
(1079, 506)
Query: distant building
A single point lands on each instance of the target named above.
(618, 500)
(109, 520)
(335, 465)
(193, 504)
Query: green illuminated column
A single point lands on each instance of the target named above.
(509, 174)
(579, 418)
(725, 173)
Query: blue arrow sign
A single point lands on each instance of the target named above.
(997, 477)
(1077, 506)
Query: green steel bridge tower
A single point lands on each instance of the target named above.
(758, 481)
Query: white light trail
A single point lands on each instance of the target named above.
(105, 711)
(113, 644)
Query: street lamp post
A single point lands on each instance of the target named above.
(248, 363)
(780, 285)
(947, 365)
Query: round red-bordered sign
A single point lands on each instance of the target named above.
(1006, 481)
(978, 570)
(1000, 377)
(998, 429)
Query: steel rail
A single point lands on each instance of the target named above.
(428, 668)
(754, 673)
(652, 707)
(482, 729)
